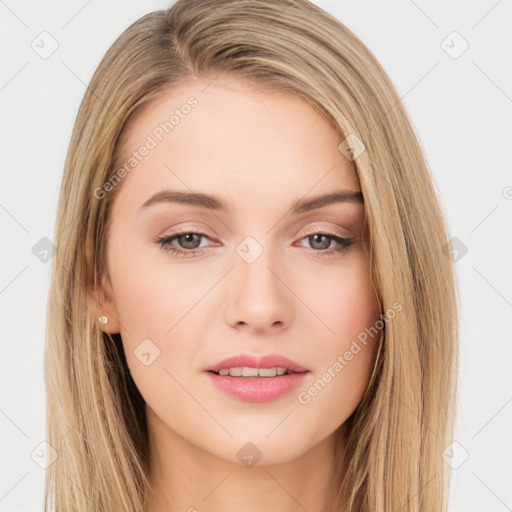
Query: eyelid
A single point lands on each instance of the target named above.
(186, 229)
(316, 228)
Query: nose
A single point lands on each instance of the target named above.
(259, 299)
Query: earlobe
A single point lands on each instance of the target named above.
(102, 306)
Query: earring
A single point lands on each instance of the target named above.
(103, 319)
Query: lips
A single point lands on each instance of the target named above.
(251, 361)
(257, 389)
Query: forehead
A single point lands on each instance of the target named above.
(231, 139)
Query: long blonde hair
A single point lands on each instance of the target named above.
(392, 443)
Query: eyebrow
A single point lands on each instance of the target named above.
(215, 203)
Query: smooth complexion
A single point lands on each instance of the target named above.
(259, 153)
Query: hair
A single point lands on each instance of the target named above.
(389, 452)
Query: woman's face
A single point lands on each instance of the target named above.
(249, 276)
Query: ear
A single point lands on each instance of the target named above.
(101, 302)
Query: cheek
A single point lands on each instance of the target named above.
(351, 304)
(152, 295)
(349, 308)
(343, 299)
(154, 302)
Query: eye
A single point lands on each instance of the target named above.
(190, 242)
(188, 239)
(321, 241)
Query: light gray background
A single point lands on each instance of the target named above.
(461, 108)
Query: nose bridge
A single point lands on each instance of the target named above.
(260, 298)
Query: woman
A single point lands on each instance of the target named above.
(252, 305)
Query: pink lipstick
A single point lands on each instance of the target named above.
(256, 378)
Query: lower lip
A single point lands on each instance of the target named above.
(257, 389)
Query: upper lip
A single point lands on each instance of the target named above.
(251, 361)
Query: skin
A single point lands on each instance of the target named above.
(260, 152)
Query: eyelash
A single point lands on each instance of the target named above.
(345, 243)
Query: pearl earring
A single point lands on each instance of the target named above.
(103, 319)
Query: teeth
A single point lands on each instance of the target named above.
(246, 371)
